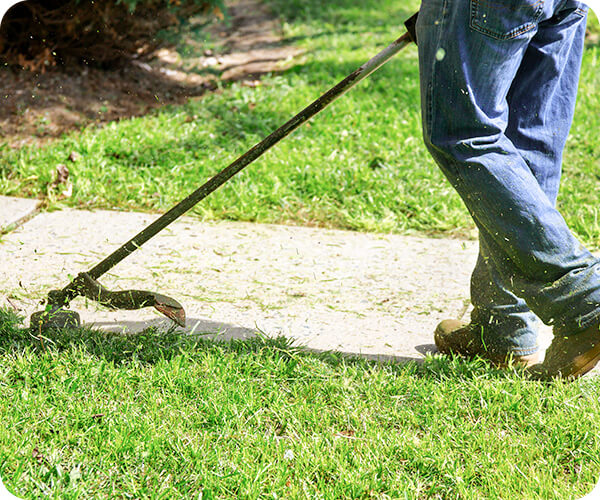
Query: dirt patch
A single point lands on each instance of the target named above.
(38, 107)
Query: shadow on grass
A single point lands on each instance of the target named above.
(153, 345)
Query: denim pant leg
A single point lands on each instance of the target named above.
(470, 53)
(510, 326)
(507, 323)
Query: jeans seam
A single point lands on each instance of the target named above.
(432, 80)
(518, 351)
(525, 351)
(560, 6)
(429, 110)
(515, 32)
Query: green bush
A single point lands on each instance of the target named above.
(38, 34)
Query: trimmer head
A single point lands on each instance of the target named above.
(57, 316)
(54, 317)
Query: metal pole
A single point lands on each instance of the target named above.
(243, 161)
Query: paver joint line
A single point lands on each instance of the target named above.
(16, 211)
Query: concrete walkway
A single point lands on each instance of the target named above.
(14, 211)
(370, 294)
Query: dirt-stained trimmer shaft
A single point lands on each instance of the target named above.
(61, 298)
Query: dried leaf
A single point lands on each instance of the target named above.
(218, 13)
(74, 156)
(61, 178)
(38, 456)
(67, 193)
(62, 175)
(348, 434)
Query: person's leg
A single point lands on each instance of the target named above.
(540, 116)
(470, 52)
(505, 322)
(543, 94)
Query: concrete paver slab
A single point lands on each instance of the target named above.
(371, 294)
(14, 210)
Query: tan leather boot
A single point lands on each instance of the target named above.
(465, 339)
(570, 357)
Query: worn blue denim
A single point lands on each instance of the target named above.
(498, 87)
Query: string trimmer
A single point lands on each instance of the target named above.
(56, 314)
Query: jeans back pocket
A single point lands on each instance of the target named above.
(504, 19)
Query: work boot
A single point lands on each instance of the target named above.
(570, 357)
(456, 337)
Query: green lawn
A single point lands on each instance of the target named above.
(158, 415)
(360, 165)
(163, 416)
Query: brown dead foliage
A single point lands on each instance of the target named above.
(40, 106)
(38, 34)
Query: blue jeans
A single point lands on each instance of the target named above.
(498, 88)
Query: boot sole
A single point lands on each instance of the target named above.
(570, 371)
(589, 366)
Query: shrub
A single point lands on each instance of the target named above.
(37, 34)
